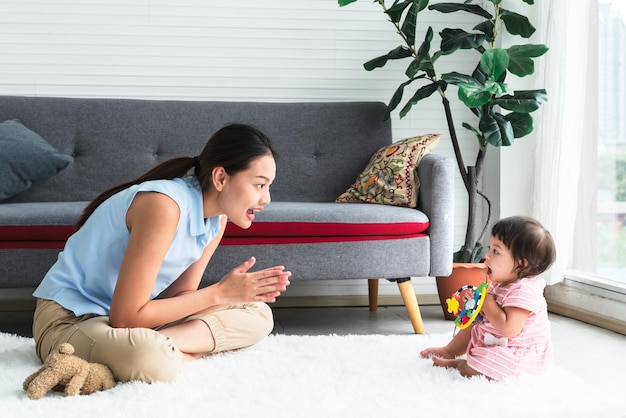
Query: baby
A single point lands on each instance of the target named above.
(513, 337)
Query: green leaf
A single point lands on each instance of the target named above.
(395, 11)
(517, 24)
(455, 7)
(478, 134)
(473, 94)
(453, 39)
(398, 53)
(422, 93)
(486, 27)
(524, 101)
(478, 111)
(397, 96)
(522, 123)
(528, 50)
(520, 58)
(424, 48)
(428, 67)
(480, 76)
(414, 67)
(496, 130)
(345, 2)
(421, 4)
(489, 127)
(457, 78)
(497, 88)
(494, 62)
(421, 64)
(408, 27)
(423, 61)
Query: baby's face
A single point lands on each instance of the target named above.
(499, 261)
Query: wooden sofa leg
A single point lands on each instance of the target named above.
(410, 302)
(372, 288)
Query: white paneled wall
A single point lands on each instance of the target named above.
(283, 50)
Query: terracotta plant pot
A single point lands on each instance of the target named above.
(462, 274)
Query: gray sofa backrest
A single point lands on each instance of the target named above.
(321, 146)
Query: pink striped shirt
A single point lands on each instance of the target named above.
(496, 356)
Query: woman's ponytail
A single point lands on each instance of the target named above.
(233, 147)
(167, 170)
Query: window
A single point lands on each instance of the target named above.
(611, 162)
(600, 237)
(577, 161)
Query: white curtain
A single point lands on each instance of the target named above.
(566, 124)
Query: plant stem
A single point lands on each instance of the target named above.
(496, 20)
(472, 208)
(477, 249)
(455, 141)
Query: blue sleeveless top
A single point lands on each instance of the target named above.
(83, 278)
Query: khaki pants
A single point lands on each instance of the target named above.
(143, 353)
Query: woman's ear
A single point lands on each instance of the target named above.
(218, 175)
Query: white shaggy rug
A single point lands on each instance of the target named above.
(316, 376)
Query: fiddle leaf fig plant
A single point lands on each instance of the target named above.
(501, 114)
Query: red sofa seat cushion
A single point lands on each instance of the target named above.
(279, 223)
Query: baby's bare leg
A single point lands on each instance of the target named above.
(456, 347)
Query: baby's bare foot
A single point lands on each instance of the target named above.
(441, 352)
(445, 362)
(457, 363)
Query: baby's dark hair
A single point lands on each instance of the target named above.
(531, 245)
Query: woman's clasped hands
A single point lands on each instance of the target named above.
(242, 286)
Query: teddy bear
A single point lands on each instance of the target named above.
(63, 368)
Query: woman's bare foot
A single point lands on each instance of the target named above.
(441, 352)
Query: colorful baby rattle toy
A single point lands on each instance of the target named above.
(466, 303)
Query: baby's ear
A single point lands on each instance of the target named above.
(522, 268)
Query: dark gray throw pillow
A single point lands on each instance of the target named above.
(25, 158)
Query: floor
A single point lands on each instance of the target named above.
(592, 353)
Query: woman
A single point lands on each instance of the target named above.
(125, 289)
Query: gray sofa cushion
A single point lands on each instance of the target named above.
(40, 213)
(297, 222)
(26, 158)
(321, 146)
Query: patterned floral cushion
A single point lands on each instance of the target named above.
(390, 177)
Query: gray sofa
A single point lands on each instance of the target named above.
(322, 148)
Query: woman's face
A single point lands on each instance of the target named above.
(499, 261)
(247, 192)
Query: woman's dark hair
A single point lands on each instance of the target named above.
(233, 147)
(531, 245)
